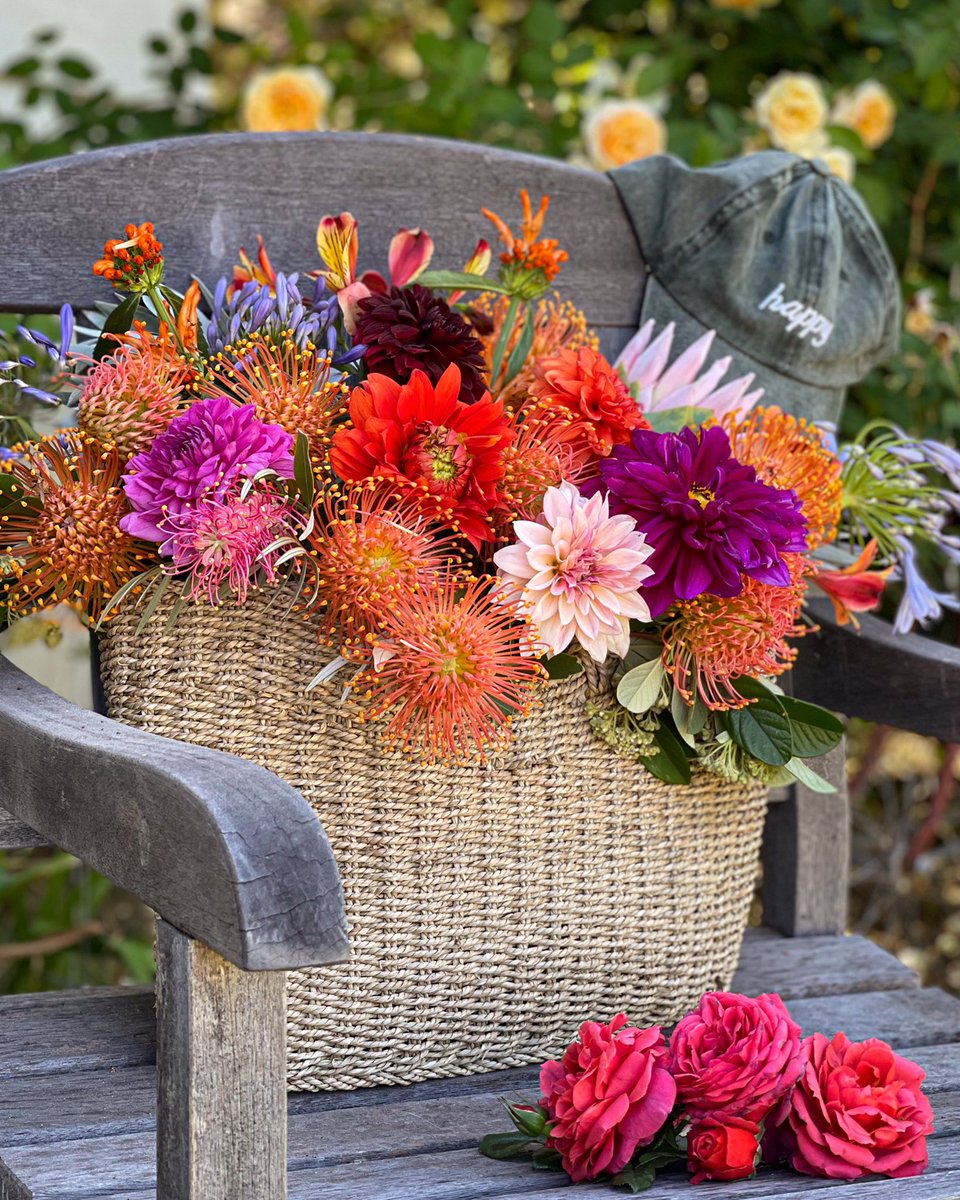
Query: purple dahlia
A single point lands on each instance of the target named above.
(707, 516)
(212, 445)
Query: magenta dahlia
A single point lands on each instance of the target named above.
(409, 329)
(709, 519)
(200, 455)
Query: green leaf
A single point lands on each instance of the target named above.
(75, 68)
(455, 281)
(505, 1145)
(303, 470)
(762, 728)
(518, 355)
(503, 340)
(562, 666)
(670, 763)
(688, 718)
(545, 1158)
(814, 730)
(808, 777)
(636, 1178)
(672, 420)
(119, 321)
(639, 689)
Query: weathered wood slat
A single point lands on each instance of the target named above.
(911, 682)
(221, 1075)
(816, 966)
(216, 845)
(280, 185)
(914, 1017)
(806, 856)
(14, 835)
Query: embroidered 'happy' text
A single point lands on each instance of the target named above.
(801, 319)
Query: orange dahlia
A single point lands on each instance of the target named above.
(450, 673)
(130, 397)
(60, 535)
(791, 454)
(557, 324)
(369, 548)
(424, 440)
(581, 386)
(288, 385)
(711, 641)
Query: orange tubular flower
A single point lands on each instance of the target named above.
(854, 588)
(60, 537)
(787, 452)
(450, 672)
(713, 640)
(539, 259)
(134, 262)
(187, 318)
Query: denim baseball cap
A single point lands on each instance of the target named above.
(780, 257)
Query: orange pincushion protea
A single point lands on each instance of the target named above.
(712, 640)
(789, 453)
(557, 325)
(425, 441)
(60, 536)
(134, 261)
(450, 672)
(581, 386)
(530, 255)
(289, 385)
(539, 457)
(130, 397)
(369, 548)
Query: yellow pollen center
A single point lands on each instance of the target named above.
(702, 495)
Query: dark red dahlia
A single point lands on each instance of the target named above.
(409, 329)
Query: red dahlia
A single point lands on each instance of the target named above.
(426, 439)
(409, 329)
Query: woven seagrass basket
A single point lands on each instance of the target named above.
(491, 909)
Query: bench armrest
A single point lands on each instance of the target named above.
(905, 680)
(220, 848)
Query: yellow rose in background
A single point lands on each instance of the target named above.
(621, 131)
(286, 100)
(868, 110)
(791, 108)
(840, 161)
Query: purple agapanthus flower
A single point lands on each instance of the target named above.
(211, 446)
(707, 516)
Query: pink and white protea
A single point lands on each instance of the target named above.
(577, 572)
(657, 386)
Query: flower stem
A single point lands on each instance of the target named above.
(503, 341)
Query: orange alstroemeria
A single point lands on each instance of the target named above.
(529, 252)
(337, 246)
(187, 318)
(246, 270)
(854, 588)
(409, 255)
(477, 264)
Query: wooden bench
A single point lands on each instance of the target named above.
(101, 1095)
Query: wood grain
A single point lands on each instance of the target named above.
(816, 966)
(806, 856)
(221, 1075)
(209, 196)
(214, 844)
(908, 681)
(14, 835)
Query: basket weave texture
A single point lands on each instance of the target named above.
(491, 908)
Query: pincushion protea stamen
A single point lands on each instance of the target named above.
(288, 384)
(450, 672)
(789, 453)
(538, 457)
(711, 641)
(60, 535)
(370, 547)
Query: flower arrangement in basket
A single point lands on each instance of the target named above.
(463, 497)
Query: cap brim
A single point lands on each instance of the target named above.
(792, 395)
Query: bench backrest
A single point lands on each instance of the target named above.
(208, 196)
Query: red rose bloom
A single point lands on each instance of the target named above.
(581, 386)
(857, 1110)
(722, 1148)
(735, 1056)
(610, 1094)
(425, 439)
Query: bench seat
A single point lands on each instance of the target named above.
(78, 1081)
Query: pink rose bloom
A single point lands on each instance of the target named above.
(611, 1093)
(857, 1110)
(734, 1055)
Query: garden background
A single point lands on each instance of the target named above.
(871, 86)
